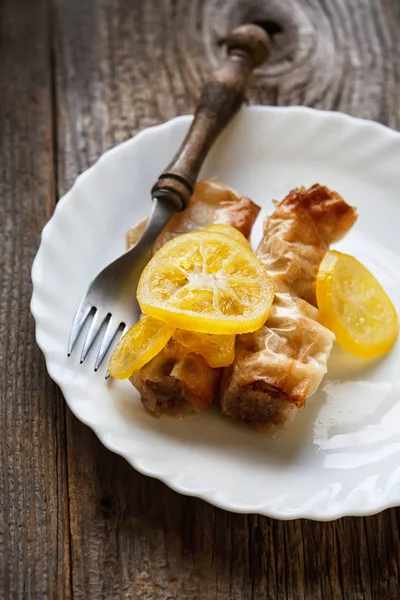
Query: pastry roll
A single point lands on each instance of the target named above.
(282, 364)
(211, 202)
(179, 385)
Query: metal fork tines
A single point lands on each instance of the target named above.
(111, 297)
(99, 320)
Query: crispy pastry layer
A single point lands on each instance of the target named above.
(282, 364)
(298, 233)
(212, 202)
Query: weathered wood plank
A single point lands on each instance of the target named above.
(122, 65)
(34, 532)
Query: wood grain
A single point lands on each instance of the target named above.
(93, 74)
(34, 531)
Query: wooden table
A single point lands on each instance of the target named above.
(77, 77)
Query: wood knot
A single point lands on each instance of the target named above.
(107, 507)
(288, 24)
(271, 27)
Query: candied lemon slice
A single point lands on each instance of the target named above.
(217, 350)
(230, 231)
(353, 304)
(206, 282)
(138, 346)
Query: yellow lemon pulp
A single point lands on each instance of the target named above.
(206, 282)
(217, 350)
(138, 346)
(229, 231)
(353, 305)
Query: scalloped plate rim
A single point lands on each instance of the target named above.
(214, 496)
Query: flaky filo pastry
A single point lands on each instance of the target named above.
(212, 202)
(282, 364)
(178, 386)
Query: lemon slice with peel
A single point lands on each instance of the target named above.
(138, 346)
(229, 231)
(206, 282)
(353, 305)
(217, 350)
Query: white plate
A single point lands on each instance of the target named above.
(341, 455)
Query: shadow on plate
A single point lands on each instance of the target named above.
(210, 432)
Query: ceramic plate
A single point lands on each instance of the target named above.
(341, 455)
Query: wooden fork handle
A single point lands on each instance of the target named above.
(221, 98)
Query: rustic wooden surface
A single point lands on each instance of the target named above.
(78, 76)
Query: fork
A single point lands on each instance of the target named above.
(111, 297)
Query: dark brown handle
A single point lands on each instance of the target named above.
(221, 98)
